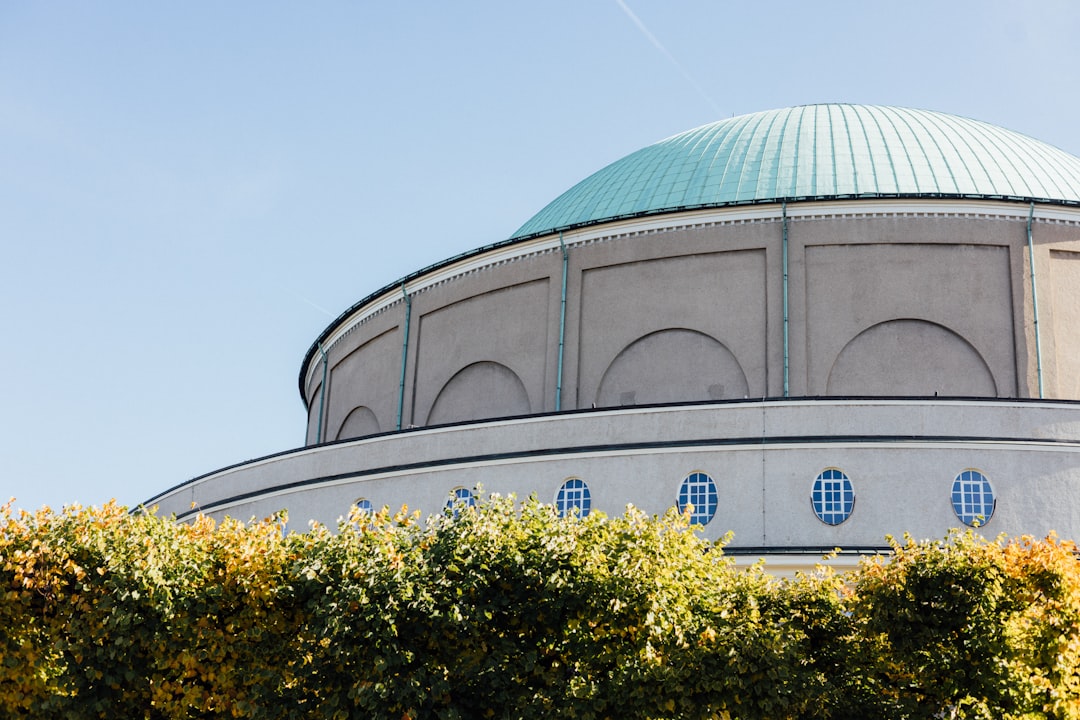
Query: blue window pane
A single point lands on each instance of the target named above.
(972, 498)
(460, 497)
(699, 490)
(832, 497)
(574, 498)
(364, 505)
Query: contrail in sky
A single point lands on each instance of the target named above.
(303, 299)
(657, 44)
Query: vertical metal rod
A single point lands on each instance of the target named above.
(784, 260)
(1034, 300)
(404, 355)
(322, 396)
(562, 325)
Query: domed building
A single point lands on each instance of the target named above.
(816, 325)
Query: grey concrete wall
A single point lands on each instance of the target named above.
(892, 304)
(366, 378)
(673, 329)
(482, 356)
(364, 371)
(1053, 241)
(1064, 291)
(886, 298)
(906, 319)
(901, 456)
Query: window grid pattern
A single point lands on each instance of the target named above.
(699, 491)
(364, 505)
(973, 498)
(574, 495)
(460, 497)
(833, 497)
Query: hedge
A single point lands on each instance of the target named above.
(507, 610)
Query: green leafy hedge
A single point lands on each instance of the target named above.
(509, 611)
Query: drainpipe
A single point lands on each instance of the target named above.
(322, 396)
(784, 260)
(562, 325)
(404, 355)
(1034, 300)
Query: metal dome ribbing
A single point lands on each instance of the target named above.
(817, 152)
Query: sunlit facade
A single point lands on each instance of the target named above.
(814, 326)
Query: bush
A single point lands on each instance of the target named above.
(507, 610)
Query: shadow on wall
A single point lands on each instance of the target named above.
(672, 366)
(910, 358)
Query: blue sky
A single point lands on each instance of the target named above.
(190, 192)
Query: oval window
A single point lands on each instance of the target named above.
(833, 497)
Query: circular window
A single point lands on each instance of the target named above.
(833, 497)
(573, 498)
(699, 492)
(973, 498)
(364, 505)
(460, 497)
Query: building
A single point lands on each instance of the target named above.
(817, 325)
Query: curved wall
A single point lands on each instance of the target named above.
(879, 353)
(888, 298)
(885, 298)
(901, 456)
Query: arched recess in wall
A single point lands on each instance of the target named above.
(359, 422)
(910, 357)
(481, 390)
(675, 365)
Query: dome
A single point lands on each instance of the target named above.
(818, 152)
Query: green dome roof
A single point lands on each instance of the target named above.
(816, 152)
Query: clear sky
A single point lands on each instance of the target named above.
(190, 192)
